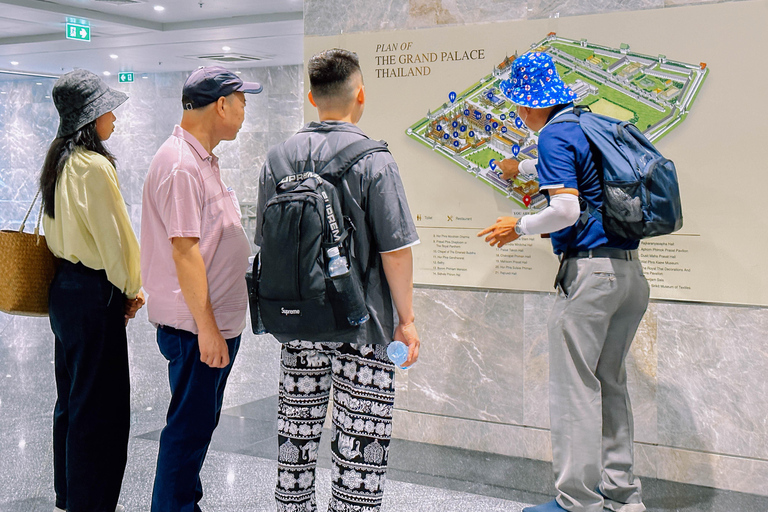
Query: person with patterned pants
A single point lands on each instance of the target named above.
(363, 397)
(353, 363)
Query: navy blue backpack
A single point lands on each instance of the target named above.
(641, 195)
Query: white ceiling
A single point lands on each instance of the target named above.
(145, 40)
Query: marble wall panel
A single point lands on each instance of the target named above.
(427, 13)
(470, 364)
(642, 379)
(712, 470)
(12, 214)
(561, 8)
(324, 18)
(675, 3)
(484, 436)
(284, 80)
(283, 116)
(646, 459)
(29, 122)
(228, 152)
(712, 391)
(536, 359)
(26, 349)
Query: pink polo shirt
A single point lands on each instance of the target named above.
(185, 197)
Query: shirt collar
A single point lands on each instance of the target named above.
(557, 113)
(325, 126)
(190, 139)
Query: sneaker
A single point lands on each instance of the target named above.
(551, 506)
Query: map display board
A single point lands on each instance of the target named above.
(684, 76)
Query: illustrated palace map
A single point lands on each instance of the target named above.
(479, 126)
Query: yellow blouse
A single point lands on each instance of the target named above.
(91, 224)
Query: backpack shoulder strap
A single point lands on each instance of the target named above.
(337, 167)
(586, 209)
(570, 117)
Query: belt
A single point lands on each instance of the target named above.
(603, 252)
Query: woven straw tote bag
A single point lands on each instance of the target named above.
(27, 266)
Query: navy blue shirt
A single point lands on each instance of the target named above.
(566, 160)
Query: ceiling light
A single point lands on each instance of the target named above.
(113, 56)
(14, 63)
(226, 48)
(38, 83)
(107, 73)
(159, 8)
(238, 72)
(3, 92)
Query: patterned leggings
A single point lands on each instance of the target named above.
(363, 397)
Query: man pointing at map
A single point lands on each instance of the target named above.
(602, 296)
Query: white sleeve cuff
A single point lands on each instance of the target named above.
(528, 166)
(417, 242)
(563, 211)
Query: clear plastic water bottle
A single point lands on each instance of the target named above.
(398, 353)
(350, 291)
(337, 264)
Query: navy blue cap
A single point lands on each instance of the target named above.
(207, 84)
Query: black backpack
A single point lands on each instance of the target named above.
(290, 291)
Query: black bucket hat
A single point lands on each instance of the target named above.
(81, 97)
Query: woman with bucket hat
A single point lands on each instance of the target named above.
(602, 296)
(93, 295)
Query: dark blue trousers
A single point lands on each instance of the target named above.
(92, 417)
(197, 392)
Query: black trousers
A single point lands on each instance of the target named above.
(91, 420)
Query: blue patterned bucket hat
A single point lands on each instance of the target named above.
(534, 82)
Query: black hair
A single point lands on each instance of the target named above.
(58, 154)
(330, 70)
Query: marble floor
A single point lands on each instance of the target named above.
(240, 471)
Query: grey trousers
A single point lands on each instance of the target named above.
(599, 305)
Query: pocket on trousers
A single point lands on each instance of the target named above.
(169, 344)
(602, 283)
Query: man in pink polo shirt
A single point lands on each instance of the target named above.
(193, 263)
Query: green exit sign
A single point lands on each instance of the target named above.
(124, 77)
(78, 32)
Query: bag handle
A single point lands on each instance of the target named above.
(39, 217)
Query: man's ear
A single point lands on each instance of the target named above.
(361, 95)
(220, 105)
(311, 99)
